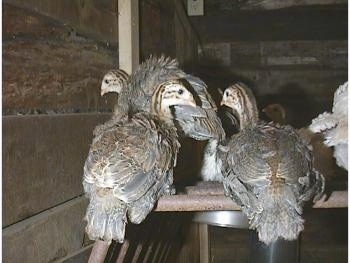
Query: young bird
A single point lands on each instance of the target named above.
(334, 126)
(200, 123)
(267, 169)
(114, 81)
(130, 164)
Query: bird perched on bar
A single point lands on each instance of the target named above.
(130, 164)
(200, 122)
(267, 170)
(323, 155)
(334, 126)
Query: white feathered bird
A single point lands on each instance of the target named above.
(334, 126)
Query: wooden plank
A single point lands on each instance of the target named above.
(186, 38)
(281, 54)
(209, 196)
(79, 256)
(128, 34)
(59, 71)
(204, 245)
(43, 159)
(94, 18)
(295, 24)
(48, 236)
(276, 4)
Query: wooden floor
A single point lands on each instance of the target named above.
(324, 240)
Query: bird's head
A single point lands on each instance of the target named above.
(275, 112)
(171, 93)
(241, 100)
(113, 81)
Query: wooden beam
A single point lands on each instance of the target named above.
(277, 4)
(92, 18)
(128, 34)
(47, 236)
(286, 24)
(210, 196)
(43, 159)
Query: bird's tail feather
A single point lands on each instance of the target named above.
(280, 216)
(106, 217)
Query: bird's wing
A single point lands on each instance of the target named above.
(130, 158)
(201, 122)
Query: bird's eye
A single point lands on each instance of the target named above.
(227, 93)
(106, 81)
(180, 91)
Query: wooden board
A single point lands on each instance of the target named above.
(58, 70)
(47, 236)
(43, 159)
(94, 18)
(295, 24)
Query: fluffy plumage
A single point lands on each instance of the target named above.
(113, 81)
(268, 170)
(200, 123)
(334, 126)
(130, 164)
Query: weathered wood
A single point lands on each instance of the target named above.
(276, 4)
(280, 54)
(185, 37)
(48, 236)
(59, 71)
(43, 159)
(98, 252)
(204, 245)
(79, 256)
(128, 34)
(95, 18)
(209, 196)
(296, 24)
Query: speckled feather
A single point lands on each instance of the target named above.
(201, 123)
(268, 170)
(130, 163)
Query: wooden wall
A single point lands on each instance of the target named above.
(55, 55)
(296, 56)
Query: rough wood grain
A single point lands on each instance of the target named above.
(58, 70)
(295, 24)
(94, 18)
(43, 159)
(47, 236)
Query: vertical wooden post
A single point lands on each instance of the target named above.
(204, 247)
(128, 34)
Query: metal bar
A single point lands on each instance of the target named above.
(99, 252)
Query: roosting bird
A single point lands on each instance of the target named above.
(113, 81)
(334, 126)
(130, 164)
(200, 122)
(267, 169)
(323, 155)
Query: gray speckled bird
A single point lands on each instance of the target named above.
(130, 164)
(200, 123)
(267, 169)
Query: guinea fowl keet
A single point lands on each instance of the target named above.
(130, 164)
(113, 81)
(200, 122)
(267, 169)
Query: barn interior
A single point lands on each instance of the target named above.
(55, 54)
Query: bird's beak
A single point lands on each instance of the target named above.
(103, 92)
